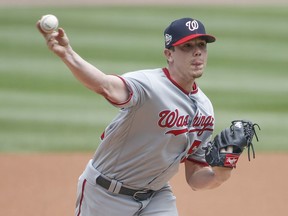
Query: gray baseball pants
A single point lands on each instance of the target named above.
(94, 200)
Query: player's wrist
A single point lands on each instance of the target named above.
(68, 54)
(222, 174)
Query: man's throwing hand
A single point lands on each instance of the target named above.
(57, 41)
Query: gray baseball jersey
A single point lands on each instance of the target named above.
(157, 128)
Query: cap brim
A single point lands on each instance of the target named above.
(206, 37)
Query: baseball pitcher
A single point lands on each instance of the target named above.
(164, 120)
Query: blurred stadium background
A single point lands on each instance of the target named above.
(44, 109)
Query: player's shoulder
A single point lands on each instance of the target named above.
(144, 73)
(143, 77)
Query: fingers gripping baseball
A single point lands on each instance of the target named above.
(228, 149)
(57, 41)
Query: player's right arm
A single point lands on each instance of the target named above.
(111, 87)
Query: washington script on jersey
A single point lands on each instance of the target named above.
(200, 123)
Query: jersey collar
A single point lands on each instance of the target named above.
(194, 88)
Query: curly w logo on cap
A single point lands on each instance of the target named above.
(192, 25)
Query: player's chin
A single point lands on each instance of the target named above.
(197, 73)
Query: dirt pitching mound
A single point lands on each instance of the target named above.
(45, 185)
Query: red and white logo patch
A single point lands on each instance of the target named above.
(231, 160)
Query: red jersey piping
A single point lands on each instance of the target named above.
(194, 88)
(130, 94)
(82, 196)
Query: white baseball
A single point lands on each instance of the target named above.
(49, 23)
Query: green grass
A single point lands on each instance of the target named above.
(43, 108)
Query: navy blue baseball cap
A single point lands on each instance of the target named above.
(183, 30)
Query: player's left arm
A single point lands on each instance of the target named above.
(221, 154)
(201, 177)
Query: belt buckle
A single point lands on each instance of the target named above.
(137, 198)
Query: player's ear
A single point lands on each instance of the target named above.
(167, 53)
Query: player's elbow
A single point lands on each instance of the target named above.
(195, 188)
(197, 185)
(208, 185)
(206, 179)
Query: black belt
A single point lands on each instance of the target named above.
(136, 194)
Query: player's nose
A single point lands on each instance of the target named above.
(197, 52)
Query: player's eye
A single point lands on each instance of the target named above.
(186, 47)
(202, 44)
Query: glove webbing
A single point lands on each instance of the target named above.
(249, 131)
